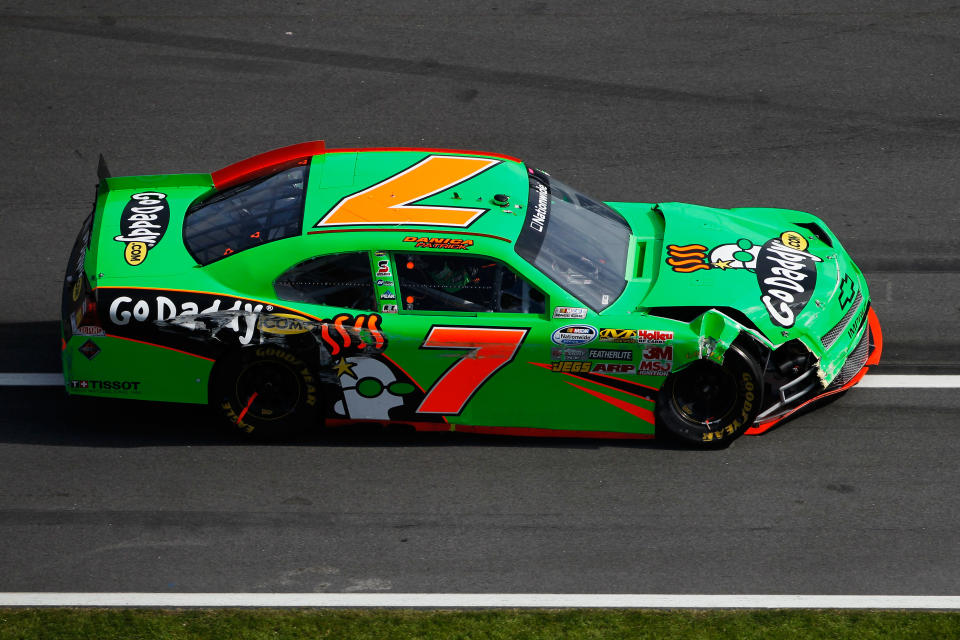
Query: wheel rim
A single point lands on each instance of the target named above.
(268, 390)
(704, 393)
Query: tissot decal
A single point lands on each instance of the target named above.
(142, 224)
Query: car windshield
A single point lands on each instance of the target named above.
(576, 241)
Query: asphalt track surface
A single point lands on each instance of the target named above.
(842, 110)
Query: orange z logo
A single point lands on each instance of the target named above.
(393, 201)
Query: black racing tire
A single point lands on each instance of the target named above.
(266, 392)
(708, 405)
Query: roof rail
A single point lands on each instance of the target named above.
(265, 163)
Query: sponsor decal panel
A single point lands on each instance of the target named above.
(560, 353)
(128, 386)
(654, 337)
(388, 308)
(569, 313)
(205, 324)
(383, 269)
(785, 270)
(439, 243)
(570, 366)
(618, 335)
(388, 295)
(574, 334)
(610, 367)
(654, 368)
(610, 354)
(143, 222)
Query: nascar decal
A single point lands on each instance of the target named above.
(142, 224)
(439, 243)
(574, 334)
(395, 199)
(569, 313)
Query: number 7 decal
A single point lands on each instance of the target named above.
(489, 348)
(394, 200)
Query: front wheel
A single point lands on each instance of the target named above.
(266, 392)
(710, 405)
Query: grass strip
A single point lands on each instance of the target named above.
(254, 624)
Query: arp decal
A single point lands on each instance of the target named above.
(618, 335)
(574, 335)
(142, 224)
(439, 243)
(395, 199)
(610, 367)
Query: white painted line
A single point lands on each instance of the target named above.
(485, 600)
(31, 380)
(909, 382)
(875, 381)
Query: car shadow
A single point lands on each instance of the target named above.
(46, 416)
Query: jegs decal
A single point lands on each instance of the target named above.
(142, 224)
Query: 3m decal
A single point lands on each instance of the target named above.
(611, 354)
(439, 243)
(488, 350)
(618, 335)
(570, 366)
(569, 313)
(658, 353)
(574, 334)
(395, 200)
(142, 224)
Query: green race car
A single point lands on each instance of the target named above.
(455, 290)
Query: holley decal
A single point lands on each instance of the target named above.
(142, 224)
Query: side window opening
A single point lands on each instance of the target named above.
(246, 216)
(477, 284)
(338, 280)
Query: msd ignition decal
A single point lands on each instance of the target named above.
(574, 335)
(439, 243)
(142, 224)
(205, 324)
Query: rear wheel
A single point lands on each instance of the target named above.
(266, 392)
(709, 405)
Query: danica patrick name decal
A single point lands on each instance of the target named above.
(142, 224)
